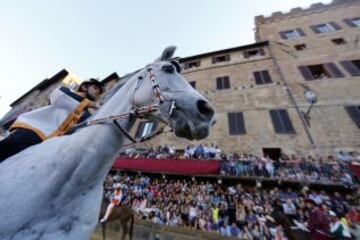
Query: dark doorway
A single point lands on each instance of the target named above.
(273, 153)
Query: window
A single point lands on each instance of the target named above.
(291, 34)
(281, 121)
(222, 82)
(222, 58)
(254, 53)
(356, 21)
(236, 123)
(338, 41)
(193, 64)
(320, 71)
(145, 128)
(354, 113)
(300, 47)
(325, 28)
(193, 84)
(352, 22)
(262, 77)
(353, 67)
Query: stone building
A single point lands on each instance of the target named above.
(258, 89)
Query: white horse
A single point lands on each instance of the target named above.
(53, 190)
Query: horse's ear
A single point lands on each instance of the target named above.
(166, 54)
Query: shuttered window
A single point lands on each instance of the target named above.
(354, 113)
(236, 123)
(320, 71)
(145, 128)
(254, 53)
(333, 70)
(325, 28)
(352, 22)
(193, 64)
(291, 34)
(281, 121)
(353, 67)
(222, 58)
(223, 82)
(262, 77)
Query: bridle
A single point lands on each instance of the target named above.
(136, 112)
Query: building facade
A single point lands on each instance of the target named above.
(259, 90)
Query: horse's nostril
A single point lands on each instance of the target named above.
(204, 108)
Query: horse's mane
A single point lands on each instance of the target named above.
(109, 94)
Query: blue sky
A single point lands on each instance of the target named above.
(94, 38)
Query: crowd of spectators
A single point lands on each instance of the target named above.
(330, 169)
(246, 213)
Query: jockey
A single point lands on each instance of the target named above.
(65, 110)
(115, 201)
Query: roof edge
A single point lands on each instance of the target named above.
(207, 54)
(43, 84)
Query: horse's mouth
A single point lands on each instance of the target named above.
(191, 129)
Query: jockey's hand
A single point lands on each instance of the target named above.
(93, 105)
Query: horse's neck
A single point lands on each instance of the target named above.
(103, 141)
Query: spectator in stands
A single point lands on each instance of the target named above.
(318, 223)
(230, 210)
(337, 228)
(199, 151)
(311, 169)
(289, 208)
(234, 230)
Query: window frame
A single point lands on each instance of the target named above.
(236, 123)
(339, 41)
(223, 82)
(216, 60)
(263, 76)
(298, 33)
(260, 52)
(281, 121)
(189, 65)
(140, 132)
(354, 113)
(330, 68)
(298, 47)
(331, 26)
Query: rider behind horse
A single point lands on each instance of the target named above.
(65, 110)
(116, 199)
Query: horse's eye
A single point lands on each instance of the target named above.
(168, 68)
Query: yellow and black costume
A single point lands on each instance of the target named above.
(66, 109)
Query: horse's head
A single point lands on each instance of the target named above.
(180, 105)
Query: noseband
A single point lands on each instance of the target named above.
(135, 112)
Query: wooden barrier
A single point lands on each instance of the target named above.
(144, 230)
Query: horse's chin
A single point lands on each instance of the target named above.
(191, 131)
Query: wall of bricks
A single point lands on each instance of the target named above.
(330, 126)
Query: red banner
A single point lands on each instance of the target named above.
(355, 168)
(165, 165)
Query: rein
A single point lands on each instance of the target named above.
(137, 112)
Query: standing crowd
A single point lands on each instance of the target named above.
(330, 169)
(246, 213)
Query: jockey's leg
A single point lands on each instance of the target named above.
(17, 141)
(108, 212)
